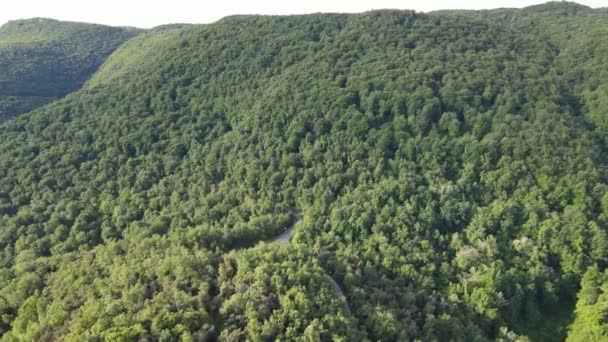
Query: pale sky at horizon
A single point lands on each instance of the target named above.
(145, 14)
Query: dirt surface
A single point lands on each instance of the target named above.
(286, 235)
(339, 293)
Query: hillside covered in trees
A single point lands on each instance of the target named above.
(43, 59)
(449, 170)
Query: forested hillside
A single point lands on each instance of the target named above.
(43, 59)
(449, 169)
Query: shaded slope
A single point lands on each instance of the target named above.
(43, 59)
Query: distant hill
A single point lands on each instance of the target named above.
(44, 59)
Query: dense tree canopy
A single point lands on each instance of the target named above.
(449, 169)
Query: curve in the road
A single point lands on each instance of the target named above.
(286, 235)
(284, 239)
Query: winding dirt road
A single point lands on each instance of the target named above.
(284, 239)
(286, 235)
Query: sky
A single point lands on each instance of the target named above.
(150, 13)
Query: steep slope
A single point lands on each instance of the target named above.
(448, 169)
(43, 59)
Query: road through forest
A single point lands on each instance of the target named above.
(284, 239)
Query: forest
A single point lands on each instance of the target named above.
(444, 175)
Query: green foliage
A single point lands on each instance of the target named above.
(449, 169)
(271, 294)
(121, 291)
(591, 323)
